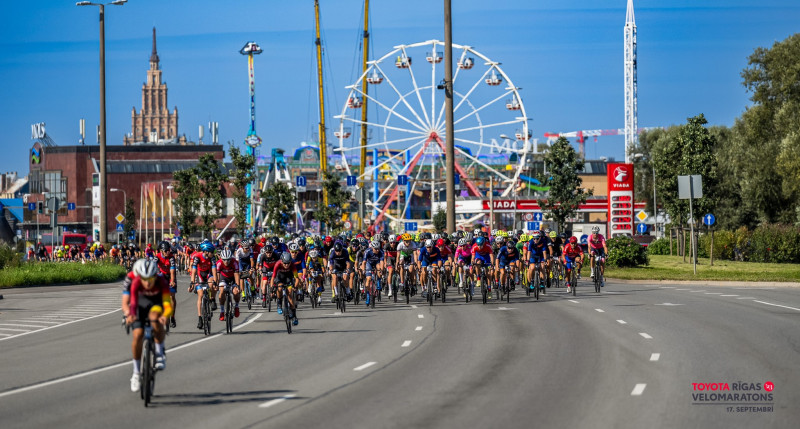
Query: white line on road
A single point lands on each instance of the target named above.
(645, 335)
(275, 401)
(106, 368)
(667, 287)
(4, 335)
(697, 291)
(406, 343)
(421, 316)
(746, 297)
(713, 293)
(35, 321)
(681, 289)
(599, 310)
(22, 325)
(638, 389)
(59, 325)
(365, 366)
(12, 329)
(729, 295)
(622, 322)
(413, 306)
(419, 328)
(777, 305)
(654, 357)
(572, 300)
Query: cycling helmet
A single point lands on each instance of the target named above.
(205, 240)
(309, 240)
(164, 246)
(385, 236)
(145, 268)
(392, 238)
(375, 245)
(440, 242)
(286, 258)
(476, 231)
(479, 241)
(206, 247)
(245, 244)
(429, 243)
(281, 240)
(267, 248)
(553, 234)
(328, 239)
(573, 240)
(536, 234)
(463, 242)
(275, 241)
(293, 247)
(337, 247)
(225, 255)
(406, 237)
(500, 240)
(595, 229)
(435, 237)
(563, 236)
(313, 253)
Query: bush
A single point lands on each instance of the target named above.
(625, 252)
(774, 243)
(9, 257)
(659, 247)
(46, 273)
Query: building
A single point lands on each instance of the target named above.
(154, 123)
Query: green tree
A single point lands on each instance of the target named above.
(210, 186)
(279, 200)
(130, 218)
(338, 202)
(187, 189)
(440, 220)
(241, 176)
(565, 194)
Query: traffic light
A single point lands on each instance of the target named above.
(96, 235)
(40, 207)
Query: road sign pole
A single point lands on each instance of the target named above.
(691, 225)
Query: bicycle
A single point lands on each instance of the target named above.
(205, 308)
(247, 292)
(228, 310)
(444, 280)
(573, 279)
(597, 273)
(286, 308)
(483, 281)
(341, 299)
(430, 285)
(315, 288)
(147, 373)
(557, 271)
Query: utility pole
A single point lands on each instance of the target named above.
(323, 153)
(362, 164)
(103, 211)
(449, 154)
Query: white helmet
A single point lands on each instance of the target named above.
(281, 240)
(476, 231)
(428, 243)
(436, 237)
(463, 242)
(225, 254)
(392, 238)
(595, 229)
(145, 268)
(375, 245)
(293, 247)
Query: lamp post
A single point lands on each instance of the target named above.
(170, 188)
(103, 208)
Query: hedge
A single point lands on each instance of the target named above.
(775, 243)
(47, 273)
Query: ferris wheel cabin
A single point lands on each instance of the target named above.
(513, 104)
(466, 63)
(434, 57)
(494, 79)
(521, 136)
(403, 62)
(343, 133)
(354, 102)
(374, 78)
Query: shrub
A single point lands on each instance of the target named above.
(45, 273)
(775, 243)
(659, 247)
(9, 257)
(625, 252)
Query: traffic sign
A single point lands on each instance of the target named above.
(70, 206)
(641, 228)
(584, 239)
(32, 207)
(533, 226)
(641, 216)
(119, 218)
(347, 224)
(352, 181)
(402, 180)
(538, 217)
(300, 181)
(527, 216)
(411, 226)
(709, 219)
(120, 227)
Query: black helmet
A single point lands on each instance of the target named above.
(164, 246)
(286, 258)
(268, 248)
(337, 246)
(275, 241)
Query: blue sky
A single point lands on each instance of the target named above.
(566, 55)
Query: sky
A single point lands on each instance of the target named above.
(566, 55)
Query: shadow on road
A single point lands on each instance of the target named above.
(214, 398)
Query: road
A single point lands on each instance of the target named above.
(630, 357)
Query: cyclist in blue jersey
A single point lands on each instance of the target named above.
(430, 255)
(507, 256)
(371, 265)
(536, 253)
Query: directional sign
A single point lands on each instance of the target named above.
(120, 227)
(538, 217)
(584, 239)
(300, 181)
(402, 180)
(70, 206)
(32, 207)
(351, 181)
(411, 226)
(119, 218)
(527, 216)
(709, 219)
(533, 226)
(641, 228)
(641, 216)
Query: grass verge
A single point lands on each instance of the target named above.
(48, 273)
(673, 268)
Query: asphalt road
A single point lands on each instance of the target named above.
(630, 357)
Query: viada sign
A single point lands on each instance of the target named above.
(620, 199)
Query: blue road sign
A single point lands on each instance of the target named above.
(538, 217)
(70, 206)
(533, 226)
(709, 219)
(411, 226)
(641, 228)
(32, 207)
(584, 239)
(351, 181)
(457, 179)
(402, 180)
(120, 227)
(301, 181)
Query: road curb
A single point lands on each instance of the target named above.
(707, 283)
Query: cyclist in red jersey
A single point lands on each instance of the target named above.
(597, 246)
(285, 273)
(203, 273)
(266, 262)
(227, 276)
(166, 265)
(571, 256)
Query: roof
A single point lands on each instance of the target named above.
(14, 205)
(136, 148)
(154, 166)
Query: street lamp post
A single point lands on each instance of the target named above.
(103, 208)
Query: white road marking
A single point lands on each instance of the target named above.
(421, 316)
(365, 366)
(767, 303)
(697, 291)
(419, 328)
(4, 335)
(612, 292)
(669, 304)
(746, 297)
(654, 357)
(117, 365)
(599, 310)
(406, 343)
(681, 289)
(275, 401)
(34, 321)
(668, 287)
(729, 295)
(638, 389)
(23, 325)
(59, 325)
(572, 300)
(14, 330)
(645, 335)
(622, 322)
(413, 306)
(713, 293)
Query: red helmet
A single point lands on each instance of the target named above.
(149, 245)
(440, 242)
(359, 235)
(263, 240)
(328, 240)
(573, 240)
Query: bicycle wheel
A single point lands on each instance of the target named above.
(484, 291)
(536, 283)
(431, 293)
(149, 373)
(286, 315)
(394, 287)
(508, 288)
(229, 312)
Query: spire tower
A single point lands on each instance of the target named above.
(631, 86)
(154, 55)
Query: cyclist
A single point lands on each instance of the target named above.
(299, 262)
(571, 256)
(536, 254)
(463, 259)
(149, 299)
(371, 265)
(149, 253)
(558, 242)
(244, 255)
(405, 259)
(390, 258)
(166, 265)
(315, 275)
(267, 260)
(507, 256)
(482, 255)
(202, 276)
(443, 244)
(339, 263)
(429, 256)
(285, 274)
(597, 246)
(227, 276)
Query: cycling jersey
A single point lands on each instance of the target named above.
(446, 253)
(315, 264)
(507, 255)
(284, 275)
(147, 298)
(536, 250)
(165, 264)
(597, 242)
(244, 258)
(373, 258)
(201, 263)
(429, 257)
(299, 262)
(390, 253)
(464, 254)
(406, 253)
(227, 272)
(482, 253)
(339, 262)
(557, 244)
(267, 262)
(572, 251)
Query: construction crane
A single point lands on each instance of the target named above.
(583, 134)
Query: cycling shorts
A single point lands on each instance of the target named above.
(486, 259)
(225, 282)
(507, 262)
(203, 278)
(535, 259)
(146, 305)
(599, 251)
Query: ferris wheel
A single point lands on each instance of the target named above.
(406, 121)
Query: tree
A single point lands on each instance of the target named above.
(440, 220)
(210, 187)
(566, 193)
(241, 176)
(338, 201)
(279, 200)
(130, 218)
(187, 188)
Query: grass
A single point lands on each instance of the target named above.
(673, 268)
(48, 273)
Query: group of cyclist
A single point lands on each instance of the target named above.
(294, 267)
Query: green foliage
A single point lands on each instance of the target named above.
(338, 202)
(9, 257)
(440, 220)
(210, 191)
(775, 243)
(130, 218)
(46, 273)
(241, 176)
(279, 200)
(565, 194)
(187, 188)
(659, 247)
(624, 252)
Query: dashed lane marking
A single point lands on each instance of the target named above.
(777, 305)
(638, 389)
(728, 295)
(365, 366)
(572, 300)
(645, 335)
(275, 401)
(655, 357)
(406, 343)
(418, 328)
(599, 310)
(421, 316)
(622, 322)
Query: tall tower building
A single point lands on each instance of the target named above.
(154, 123)
(631, 90)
